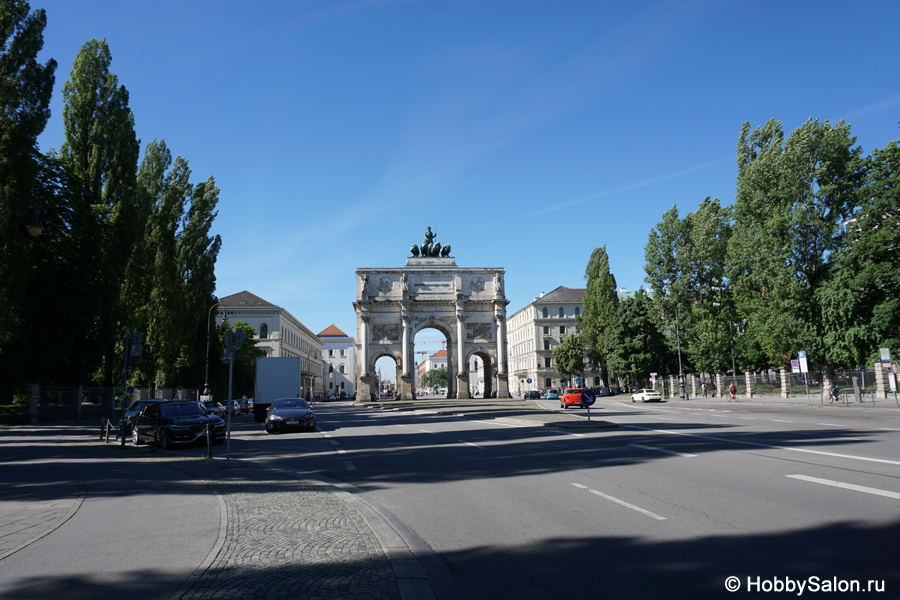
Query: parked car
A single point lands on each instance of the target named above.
(532, 395)
(134, 409)
(214, 407)
(175, 423)
(646, 395)
(246, 405)
(286, 414)
(551, 395)
(572, 397)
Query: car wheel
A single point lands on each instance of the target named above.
(632, 398)
(135, 438)
(163, 442)
(269, 430)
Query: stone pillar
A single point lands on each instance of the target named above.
(34, 395)
(673, 386)
(364, 350)
(406, 366)
(881, 382)
(748, 379)
(721, 392)
(462, 370)
(695, 385)
(785, 382)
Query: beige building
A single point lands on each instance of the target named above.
(278, 333)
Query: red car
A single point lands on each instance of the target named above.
(572, 397)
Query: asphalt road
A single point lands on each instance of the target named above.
(673, 502)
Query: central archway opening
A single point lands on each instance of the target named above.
(433, 373)
(387, 374)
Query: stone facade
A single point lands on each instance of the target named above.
(467, 306)
(339, 361)
(278, 333)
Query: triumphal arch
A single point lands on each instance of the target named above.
(467, 306)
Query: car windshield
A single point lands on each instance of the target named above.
(182, 409)
(289, 403)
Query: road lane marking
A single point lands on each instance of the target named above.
(684, 454)
(341, 451)
(426, 431)
(782, 421)
(760, 445)
(888, 429)
(847, 486)
(829, 425)
(500, 423)
(334, 442)
(748, 418)
(348, 464)
(621, 502)
(471, 444)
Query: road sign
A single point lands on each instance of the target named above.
(795, 366)
(130, 389)
(588, 397)
(885, 357)
(528, 380)
(804, 368)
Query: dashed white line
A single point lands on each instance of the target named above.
(748, 418)
(471, 444)
(829, 425)
(847, 486)
(426, 431)
(335, 442)
(684, 454)
(782, 421)
(888, 429)
(348, 464)
(621, 502)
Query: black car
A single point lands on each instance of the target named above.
(290, 414)
(169, 423)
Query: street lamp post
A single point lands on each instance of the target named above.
(206, 380)
(678, 345)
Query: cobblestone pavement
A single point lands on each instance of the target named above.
(287, 538)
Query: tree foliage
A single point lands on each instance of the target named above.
(599, 306)
(638, 346)
(792, 198)
(435, 377)
(569, 357)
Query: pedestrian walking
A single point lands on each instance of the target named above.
(704, 389)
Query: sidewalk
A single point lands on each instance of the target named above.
(252, 531)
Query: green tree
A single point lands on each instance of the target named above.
(100, 153)
(244, 369)
(435, 377)
(860, 303)
(569, 357)
(26, 87)
(638, 346)
(599, 307)
(792, 197)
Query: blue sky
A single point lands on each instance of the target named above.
(525, 133)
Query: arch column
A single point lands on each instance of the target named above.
(502, 375)
(462, 375)
(405, 383)
(364, 381)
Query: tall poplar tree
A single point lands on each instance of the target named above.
(26, 87)
(599, 307)
(101, 154)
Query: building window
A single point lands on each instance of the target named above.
(263, 331)
(577, 311)
(547, 360)
(546, 344)
(342, 355)
(548, 382)
(546, 312)
(562, 311)
(546, 330)
(562, 330)
(341, 368)
(596, 381)
(331, 353)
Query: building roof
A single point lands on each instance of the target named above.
(332, 331)
(439, 354)
(564, 294)
(244, 300)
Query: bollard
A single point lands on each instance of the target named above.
(122, 432)
(208, 443)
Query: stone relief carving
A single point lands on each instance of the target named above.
(385, 285)
(385, 333)
(480, 331)
(365, 287)
(478, 284)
